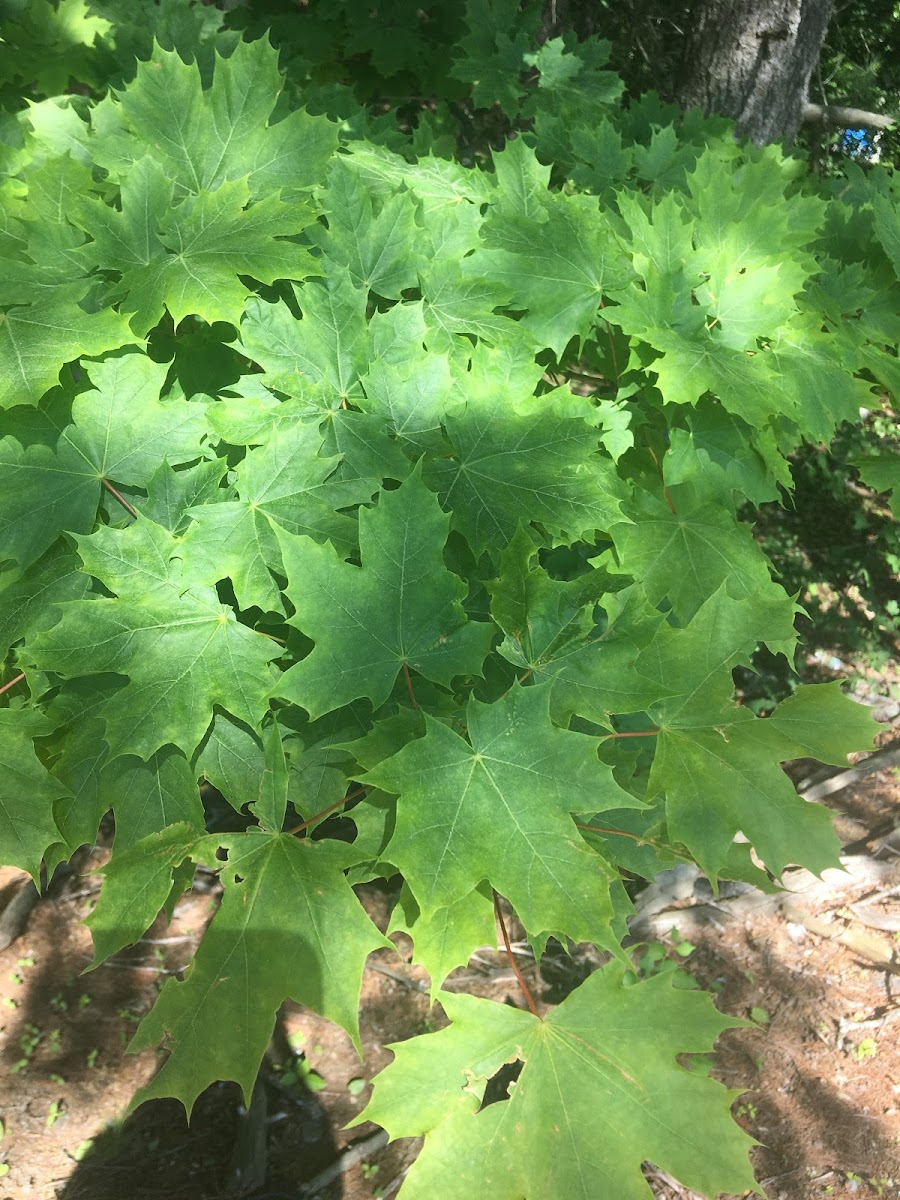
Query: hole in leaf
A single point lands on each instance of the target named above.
(499, 1084)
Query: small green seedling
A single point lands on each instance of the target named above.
(867, 1048)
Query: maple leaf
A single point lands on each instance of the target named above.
(686, 555)
(182, 652)
(708, 760)
(558, 268)
(882, 473)
(327, 347)
(27, 792)
(506, 468)
(411, 396)
(599, 1093)
(36, 340)
(378, 250)
(187, 259)
(514, 783)
(286, 485)
(119, 432)
(401, 608)
(232, 758)
(27, 598)
(136, 883)
(145, 797)
(817, 721)
(456, 303)
(719, 454)
(550, 630)
(286, 905)
(203, 139)
(449, 936)
(493, 60)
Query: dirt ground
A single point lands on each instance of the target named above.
(820, 1070)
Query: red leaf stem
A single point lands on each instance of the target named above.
(325, 811)
(12, 683)
(118, 495)
(409, 687)
(529, 999)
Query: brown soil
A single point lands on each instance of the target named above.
(820, 1073)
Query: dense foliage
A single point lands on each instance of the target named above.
(340, 475)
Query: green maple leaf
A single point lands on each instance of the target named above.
(36, 340)
(558, 268)
(522, 182)
(172, 494)
(686, 555)
(449, 937)
(366, 449)
(411, 397)
(188, 259)
(708, 760)
(286, 905)
(136, 563)
(146, 797)
(377, 249)
(136, 884)
(457, 304)
(127, 237)
(270, 804)
(887, 219)
(232, 758)
(881, 472)
(152, 795)
(119, 432)
(49, 44)
(27, 792)
(286, 484)
(202, 139)
(328, 347)
(599, 1092)
(182, 652)
(551, 631)
(509, 467)
(719, 454)
(814, 384)
(493, 61)
(402, 607)
(27, 598)
(817, 721)
(513, 784)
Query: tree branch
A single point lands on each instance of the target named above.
(849, 118)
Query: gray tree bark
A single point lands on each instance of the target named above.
(752, 60)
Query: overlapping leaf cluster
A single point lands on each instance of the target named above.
(382, 477)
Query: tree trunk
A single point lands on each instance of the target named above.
(752, 60)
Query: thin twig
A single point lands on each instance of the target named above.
(325, 811)
(615, 833)
(529, 999)
(12, 683)
(271, 637)
(414, 985)
(118, 495)
(350, 1157)
(637, 733)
